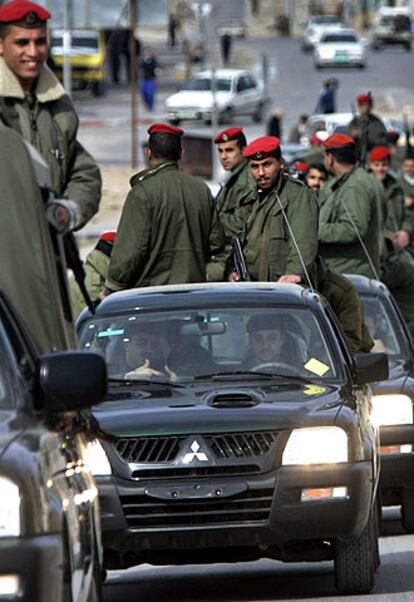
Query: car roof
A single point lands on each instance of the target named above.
(221, 73)
(367, 285)
(336, 118)
(185, 295)
(394, 10)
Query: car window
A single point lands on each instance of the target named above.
(339, 38)
(201, 84)
(381, 327)
(190, 343)
(83, 42)
(323, 20)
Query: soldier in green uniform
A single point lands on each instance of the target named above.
(396, 223)
(397, 273)
(280, 239)
(169, 227)
(234, 199)
(367, 128)
(350, 222)
(406, 181)
(33, 103)
(96, 270)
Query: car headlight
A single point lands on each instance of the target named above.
(9, 508)
(318, 445)
(392, 409)
(95, 457)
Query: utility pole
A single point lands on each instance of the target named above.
(214, 124)
(88, 13)
(67, 65)
(134, 84)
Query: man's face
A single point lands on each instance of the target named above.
(25, 51)
(380, 169)
(316, 180)
(328, 161)
(267, 345)
(265, 172)
(230, 154)
(140, 347)
(364, 108)
(408, 167)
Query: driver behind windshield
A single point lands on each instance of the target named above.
(145, 349)
(271, 342)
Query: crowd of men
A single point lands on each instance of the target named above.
(348, 213)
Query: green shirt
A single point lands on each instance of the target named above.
(234, 200)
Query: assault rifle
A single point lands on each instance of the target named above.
(75, 264)
(239, 260)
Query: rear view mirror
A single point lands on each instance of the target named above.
(203, 328)
(371, 367)
(70, 380)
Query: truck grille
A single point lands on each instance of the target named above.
(225, 446)
(145, 512)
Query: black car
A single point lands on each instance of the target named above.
(237, 426)
(393, 398)
(49, 518)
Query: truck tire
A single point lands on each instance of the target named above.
(407, 510)
(355, 562)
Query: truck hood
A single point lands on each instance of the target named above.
(154, 410)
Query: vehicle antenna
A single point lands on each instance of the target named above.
(293, 237)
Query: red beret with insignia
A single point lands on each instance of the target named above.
(262, 147)
(228, 135)
(301, 166)
(109, 236)
(338, 141)
(24, 13)
(380, 153)
(163, 128)
(365, 99)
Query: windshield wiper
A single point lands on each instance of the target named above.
(145, 381)
(254, 374)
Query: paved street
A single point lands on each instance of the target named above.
(267, 580)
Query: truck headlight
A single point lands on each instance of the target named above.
(9, 508)
(392, 409)
(95, 457)
(319, 445)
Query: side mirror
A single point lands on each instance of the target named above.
(371, 367)
(70, 380)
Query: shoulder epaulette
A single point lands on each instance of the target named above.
(148, 173)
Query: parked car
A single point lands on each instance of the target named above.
(314, 28)
(339, 48)
(219, 449)
(87, 58)
(237, 93)
(392, 25)
(393, 399)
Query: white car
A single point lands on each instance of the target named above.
(315, 27)
(237, 93)
(340, 48)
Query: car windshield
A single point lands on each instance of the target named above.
(194, 343)
(203, 84)
(381, 327)
(323, 20)
(338, 38)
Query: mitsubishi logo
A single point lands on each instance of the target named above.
(194, 454)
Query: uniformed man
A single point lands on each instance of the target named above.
(367, 128)
(280, 238)
(397, 273)
(33, 102)
(406, 181)
(234, 199)
(96, 270)
(350, 222)
(396, 222)
(169, 227)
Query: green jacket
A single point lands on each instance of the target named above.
(49, 122)
(268, 246)
(168, 230)
(234, 200)
(376, 130)
(96, 269)
(397, 274)
(408, 188)
(349, 208)
(396, 213)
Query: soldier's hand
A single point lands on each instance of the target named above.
(402, 238)
(290, 279)
(234, 277)
(144, 370)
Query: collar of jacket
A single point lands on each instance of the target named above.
(48, 87)
(152, 171)
(340, 181)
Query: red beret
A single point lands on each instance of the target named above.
(379, 153)
(314, 139)
(24, 13)
(109, 236)
(163, 128)
(261, 147)
(338, 141)
(365, 99)
(227, 135)
(301, 166)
